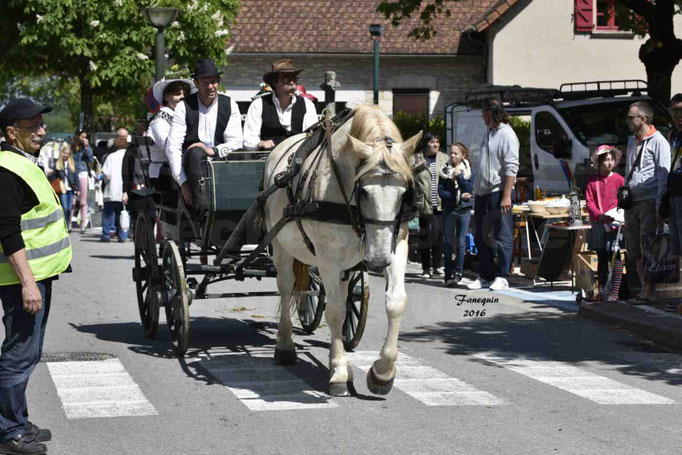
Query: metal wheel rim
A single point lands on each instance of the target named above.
(357, 305)
(310, 313)
(146, 266)
(174, 286)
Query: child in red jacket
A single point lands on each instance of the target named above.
(601, 195)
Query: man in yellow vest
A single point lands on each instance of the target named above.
(34, 250)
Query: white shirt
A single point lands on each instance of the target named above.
(113, 176)
(159, 131)
(254, 119)
(208, 117)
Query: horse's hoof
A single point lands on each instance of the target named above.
(287, 357)
(341, 389)
(376, 385)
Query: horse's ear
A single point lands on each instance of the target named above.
(360, 148)
(410, 145)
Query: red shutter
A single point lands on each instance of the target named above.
(584, 15)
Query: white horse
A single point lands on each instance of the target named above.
(368, 151)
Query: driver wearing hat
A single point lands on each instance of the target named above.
(206, 125)
(276, 116)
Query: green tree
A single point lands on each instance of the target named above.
(104, 46)
(660, 53)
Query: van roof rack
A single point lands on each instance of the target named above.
(513, 95)
(599, 89)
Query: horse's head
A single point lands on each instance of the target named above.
(383, 178)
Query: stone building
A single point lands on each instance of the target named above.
(333, 35)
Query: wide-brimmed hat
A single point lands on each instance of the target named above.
(280, 66)
(205, 67)
(20, 109)
(160, 87)
(601, 150)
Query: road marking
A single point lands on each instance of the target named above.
(262, 385)
(579, 382)
(101, 388)
(427, 384)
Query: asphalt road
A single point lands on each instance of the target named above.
(525, 378)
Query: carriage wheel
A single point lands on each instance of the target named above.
(146, 275)
(311, 311)
(357, 305)
(176, 294)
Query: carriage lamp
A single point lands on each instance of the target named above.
(160, 18)
(375, 33)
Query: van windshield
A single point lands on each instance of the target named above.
(604, 123)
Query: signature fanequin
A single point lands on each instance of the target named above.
(462, 298)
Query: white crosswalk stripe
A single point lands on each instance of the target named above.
(427, 384)
(262, 385)
(98, 389)
(577, 381)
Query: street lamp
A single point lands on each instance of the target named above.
(375, 33)
(160, 18)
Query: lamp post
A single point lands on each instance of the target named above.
(375, 33)
(159, 18)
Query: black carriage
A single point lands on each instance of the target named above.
(176, 271)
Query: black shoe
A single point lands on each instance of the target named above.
(22, 445)
(458, 278)
(38, 434)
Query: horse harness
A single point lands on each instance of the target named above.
(301, 206)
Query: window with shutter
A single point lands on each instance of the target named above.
(606, 15)
(584, 16)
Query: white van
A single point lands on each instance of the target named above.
(556, 125)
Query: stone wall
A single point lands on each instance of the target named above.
(447, 78)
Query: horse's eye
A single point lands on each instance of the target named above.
(363, 192)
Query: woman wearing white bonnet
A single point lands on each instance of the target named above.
(168, 93)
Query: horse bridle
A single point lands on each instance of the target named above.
(358, 220)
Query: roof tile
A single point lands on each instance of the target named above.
(342, 26)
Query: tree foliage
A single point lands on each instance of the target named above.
(399, 10)
(105, 46)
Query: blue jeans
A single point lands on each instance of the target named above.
(111, 215)
(67, 199)
(493, 235)
(455, 228)
(21, 351)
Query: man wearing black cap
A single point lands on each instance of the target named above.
(34, 250)
(274, 117)
(205, 125)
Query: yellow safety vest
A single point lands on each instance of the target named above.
(43, 228)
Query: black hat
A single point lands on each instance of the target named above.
(205, 67)
(20, 109)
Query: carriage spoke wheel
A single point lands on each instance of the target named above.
(174, 287)
(357, 305)
(311, 311)
(146, 275)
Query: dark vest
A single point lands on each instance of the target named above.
(192, 119)
(271, 128)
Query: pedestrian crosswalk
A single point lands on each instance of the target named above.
(262, 385)
(577, 381)
(98, 389)
(429, 385)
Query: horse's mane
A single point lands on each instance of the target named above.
(372, 126)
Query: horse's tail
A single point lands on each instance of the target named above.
(301, 285)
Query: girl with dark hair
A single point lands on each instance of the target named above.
(431, 248)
